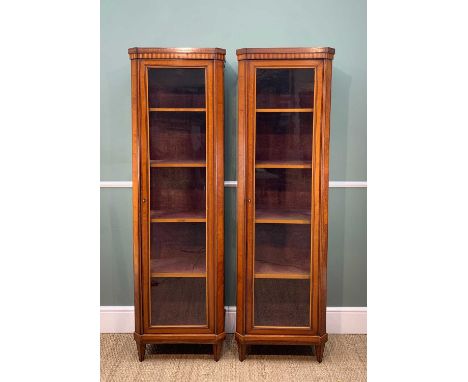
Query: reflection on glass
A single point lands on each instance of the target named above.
(281, 302)
(176, 87)
(285, 88)
(178, 301)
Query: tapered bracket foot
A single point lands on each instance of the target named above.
(242, 348)
(217, 349)
(141, 347)
(319, 352)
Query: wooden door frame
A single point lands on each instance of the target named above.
(214, 204)
(246, 199)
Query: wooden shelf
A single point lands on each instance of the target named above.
(300, 110)
(268, 270)
(186, 266)
(289, 276)
(178, 217)
(282, 217)
(178, 163)
(283, 164)
(177, 109)
(178, 275)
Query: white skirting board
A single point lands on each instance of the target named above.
(340, 320)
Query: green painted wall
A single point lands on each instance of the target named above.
(231, 25)
(116, 247)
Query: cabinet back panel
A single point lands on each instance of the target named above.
(177, 136)
(283, 189)
(178, 189)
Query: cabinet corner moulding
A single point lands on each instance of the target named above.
(325, 53)
(177, 171)
(177, 53)
(284, 97)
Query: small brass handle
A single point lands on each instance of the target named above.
(249, 200)
(144, 200)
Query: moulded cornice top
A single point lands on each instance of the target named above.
(285, 53)
(181, 53)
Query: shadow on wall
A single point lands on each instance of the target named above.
(230, 209)
(230, 247)
(230, 121)
(341, 83)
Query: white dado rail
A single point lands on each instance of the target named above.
(233, 183)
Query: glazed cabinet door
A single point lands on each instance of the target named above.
(282, 188)
(177, 229)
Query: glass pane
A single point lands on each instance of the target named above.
(282, 192)
(281, 302)
(285, 88)
(177, 136)
(282, 250)
(284, 137)
(178, 192)
(178, 301)
(176, 87)
(177, 154)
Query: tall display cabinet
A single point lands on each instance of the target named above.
(178, 196)
(282, 200)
